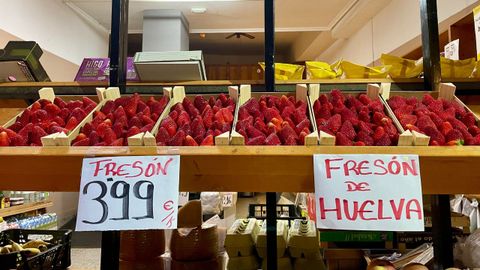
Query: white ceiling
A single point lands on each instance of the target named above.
(297, 22)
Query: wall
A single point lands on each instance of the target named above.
(56, 27)
(395, 29)
(58, 69)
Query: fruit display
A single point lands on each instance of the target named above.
(45, 117)
(30, 249)
(120, 119)
(274, 120)
(354, 120)
(196, 122)
(445, 122)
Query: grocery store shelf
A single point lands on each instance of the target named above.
(445, 170)
(25, 208)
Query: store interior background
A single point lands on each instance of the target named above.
(323, 30)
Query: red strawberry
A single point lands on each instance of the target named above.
(117, 142)
(109, 136)
(362, 126)
(25, 117)
(223, 98)
(16, 126)
(253, 132)
(342, 140)
(189, 141)
(131, 105)
(41, 115)
(364, 116)
(277, 123)
(334, 123)
(453, 135)
(200, 103)
(359, 143)
(197, 127)
(252, 106)
(59, 121)
(227, 115)
(412, 128)
(348, 130)
(94, 138)
(376, 106)
(208, 140)
(52, 109)
(79, 137)
(348, 115)
(132, 131)
(286, 132)
(207, 116)
(243, 113)
(17, 140)
(56, 129)
(35, 106)
(186, 128)
(405, 110)
(79, 114)
(379, 133)
(273, 139)
(474, 130)
(169, 125)
(148, 127)
(71, 124)
(88, 102)
(156, 107)
(301, 137)
(445, 128)
(302, 125)
(468, 119)
(364, 99)
(435, 106)
(83, 142)
(424, 122)
(301, 108)
(384, 141)
(408, 119)
(427, 99)
(260, 125)
(365, 138)
(271, 128)
(37, 134)
(59, 102)
(162, 135)
(259, 140)
(434, 134)
(4, 140)
(108, 107)
(381, 119)
(457, 124)
(146, 120)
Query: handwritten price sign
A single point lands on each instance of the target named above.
(128, 193)
(368, 192)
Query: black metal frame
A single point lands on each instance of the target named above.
(440, 204)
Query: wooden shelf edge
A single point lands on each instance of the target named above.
(25, 208)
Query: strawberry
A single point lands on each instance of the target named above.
(457, 124)
(162, 135)
(84, 142)
(277, 123)
(434, 134)
(362, 126)
(347, 130)
(227, 115)
(445, 128)
(117, 142)
(427, 99)
(156, 107)
(25, 117)
(412, 128)
(424, 122)
(336, 95)
(252, 106)
(364, 137)
(376, 106)
(364, 99)
(52, 109)
(94, 137)
(324, 112)
(290, 140)
(348, 115)
(301, 137)
(207, 116)
(79, 114)
(74, 104)
(342, 140)
(436, 119)
(132, 131)
(453, 135)
(169, 125)
(35, 106)
(80, 137)
(289, 122)
(37, 134)
(253, 132)
(288, 112)
(405, 110)
(360, 143)
(435, 106)
(200, 103)
(197, 126)
(338, 106)
(109, 136)
(468, 119)
(59, 121)
(272, 139)
(17, 140)
(334, 123)
(208, 140)
(379, 133)
(384, 141)
(131, 105)
(242, 124)
(379, 118)
(88, 102)
(223, 98)
(305, 123)
(71, 124)
(260, 125)
(108, 107)
(287, 132)
(301, 108)
(243, 113)
(408, 120)
(186, 128)
(259, 140)
(474, 130)
(146, 120)
(41, 115)
(59, 102)
(4, 140)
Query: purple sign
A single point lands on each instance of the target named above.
(96, 69)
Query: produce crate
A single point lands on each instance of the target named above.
(300, 94)
(56, 257)
(47, 94)
(446, 91)
(178, 94)
(373, 92)
(104, 95)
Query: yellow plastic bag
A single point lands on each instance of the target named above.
(354, 71)
(284, 72)
(402, 67)
(453, 69)
(322, 70)
(476, 71)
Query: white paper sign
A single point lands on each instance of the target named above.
(128, 193)
(476, 19)
(368, 192)
(227, 200)
(452, 50)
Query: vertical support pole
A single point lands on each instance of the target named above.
(110, 255)
(270, 86)
(442, 228)
(430, 44)
(118, 44)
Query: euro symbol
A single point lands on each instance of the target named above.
(352, 186)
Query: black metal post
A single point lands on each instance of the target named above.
(118, 44)
(430, 44)
(110, 255)
(442, 227)
(270, 86)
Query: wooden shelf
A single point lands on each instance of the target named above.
(445, 170)
(25, 208)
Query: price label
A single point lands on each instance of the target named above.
(227, 200)
(452, 50)
(128, 193)
(368, 192)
